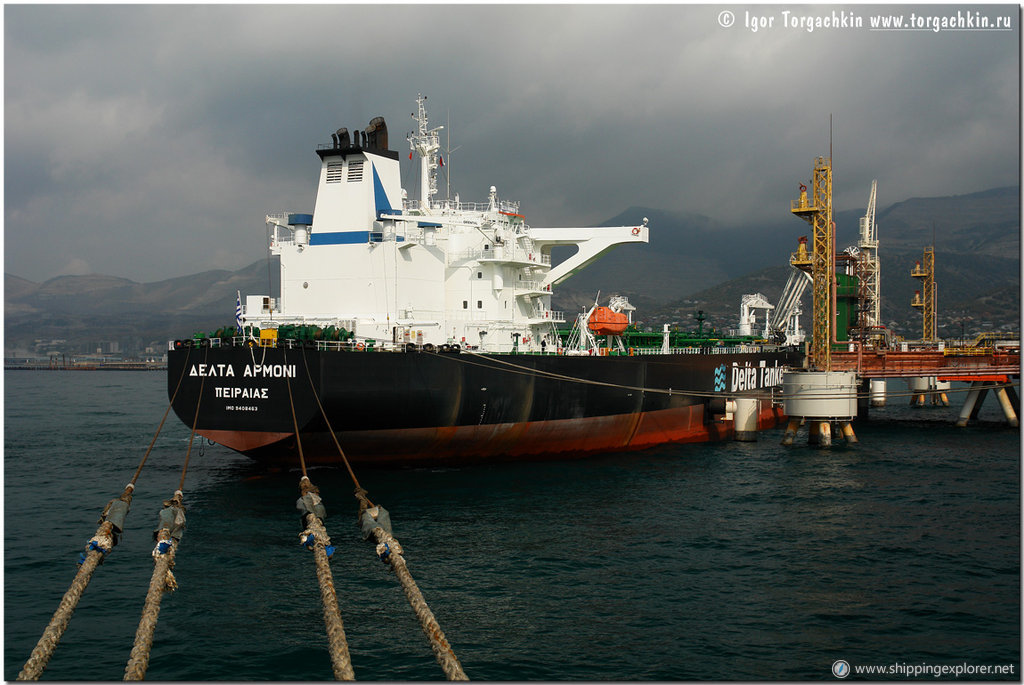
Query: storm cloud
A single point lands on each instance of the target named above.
(150, 141)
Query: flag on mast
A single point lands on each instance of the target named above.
(238, 311)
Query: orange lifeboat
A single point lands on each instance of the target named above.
(603, 321)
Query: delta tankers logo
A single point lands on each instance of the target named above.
(720, 376)
(747, 377)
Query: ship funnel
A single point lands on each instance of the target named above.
(377, 134)
(342, 138)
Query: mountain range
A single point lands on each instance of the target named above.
(692, 263)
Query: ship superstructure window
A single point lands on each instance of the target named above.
(334, 172)
(479, 274)
(465, 304)
(479, 304)
(355, 171)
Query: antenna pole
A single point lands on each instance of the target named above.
(448, 151)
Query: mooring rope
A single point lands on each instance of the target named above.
(390, 551)
(314, 537)
(522, 370)
(168, 534)
(334, 437)
(98, 547)
(184, 367)
(519, 369)
(102, 543)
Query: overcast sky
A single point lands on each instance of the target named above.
(149, 141)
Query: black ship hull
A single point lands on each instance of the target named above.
(419, 407)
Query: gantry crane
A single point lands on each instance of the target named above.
(817, 211)
(925, 270)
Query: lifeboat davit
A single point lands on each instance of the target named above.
(603, 321)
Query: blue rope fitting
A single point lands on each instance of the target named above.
(93, 545)
(81, 558)
(309, 541)
(386, 553)
(330, 550)
(163, 547)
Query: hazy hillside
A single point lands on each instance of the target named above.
(983, 291)
(690, 252)
(87, 311)
(691, 263)
(687, 252)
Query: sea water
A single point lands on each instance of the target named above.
(727, 561)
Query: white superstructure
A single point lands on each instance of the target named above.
(423, 271)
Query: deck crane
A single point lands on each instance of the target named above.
(749, 305)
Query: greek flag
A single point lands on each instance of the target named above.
(238, 311)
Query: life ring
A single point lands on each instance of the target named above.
(636, 230)
(360, 347)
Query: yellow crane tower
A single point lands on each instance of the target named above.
(817, 211)
(925, 270)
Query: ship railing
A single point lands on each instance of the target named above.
(734, 349)
(467, 315)
(507, 254)
(536, 286)
(507, 206)
(388, 346)
(320, 345)
(548, 315)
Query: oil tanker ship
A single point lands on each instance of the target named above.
(420, 331)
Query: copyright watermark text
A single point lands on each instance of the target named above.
(900, 669)
(798, 20)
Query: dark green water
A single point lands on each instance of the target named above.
(731, 561)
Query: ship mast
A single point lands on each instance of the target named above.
(425, 143)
